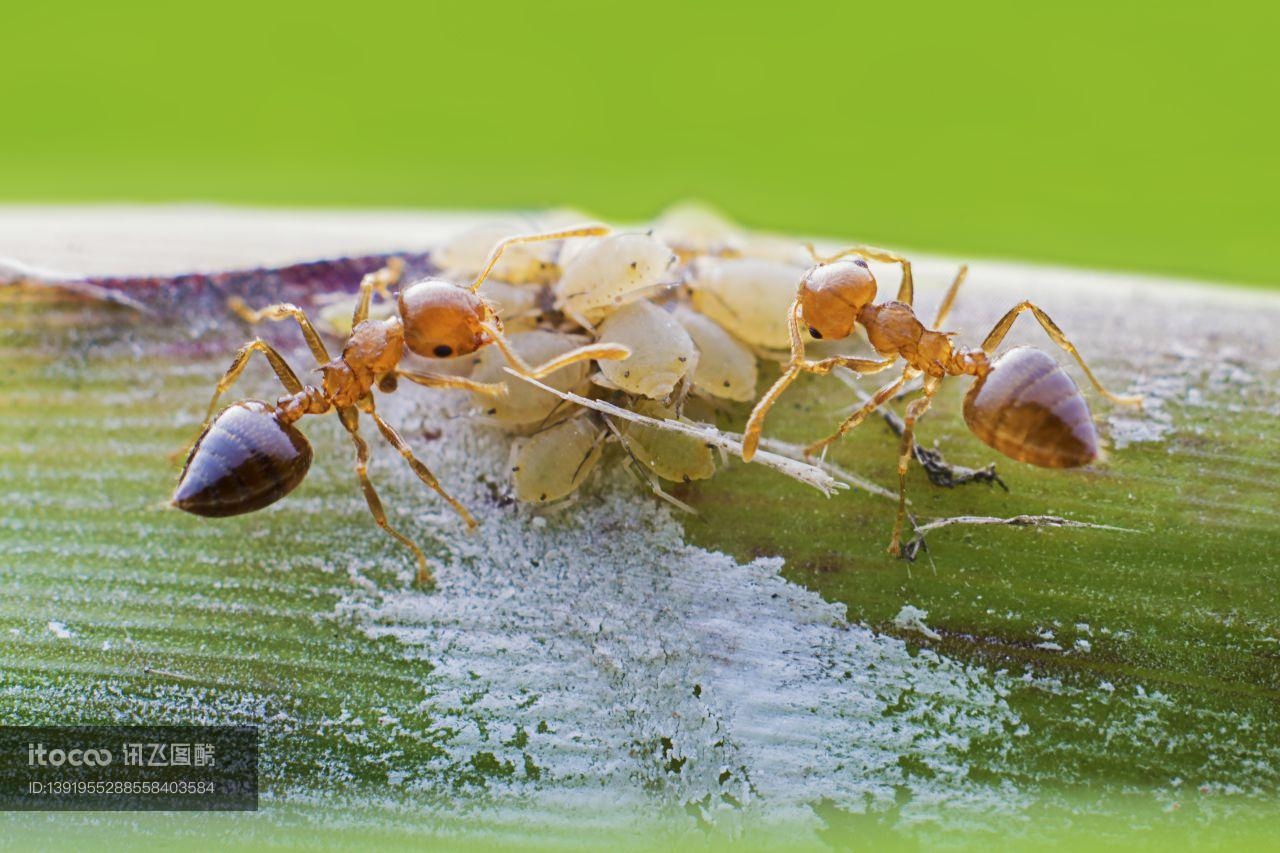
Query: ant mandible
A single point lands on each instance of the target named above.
(251, 455)
(1022, 403)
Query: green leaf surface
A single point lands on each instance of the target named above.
(616, 673)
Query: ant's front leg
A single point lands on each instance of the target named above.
(590, 352)
(462, 383)
(496, 254)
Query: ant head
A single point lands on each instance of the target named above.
(831, 295)
(442, 320)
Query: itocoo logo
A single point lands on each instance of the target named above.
(39, 756)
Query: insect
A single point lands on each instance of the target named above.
(1021, 403)
(251, 455)
(549, 466)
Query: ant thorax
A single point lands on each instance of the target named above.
(893, 329)
(373, 350)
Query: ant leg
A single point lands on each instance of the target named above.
(915, 410)
(755, 423)
(424, 473)
(440, 380)
(496, 255)
(283, 311)
(881, 396)
(1051, 328)
(858, 365)
(350, 420)
(381, 281)
(283, 372)
(945, 308)
(906, 290)
(597, 352)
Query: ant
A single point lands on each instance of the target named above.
(251, 455)
(1022, 403)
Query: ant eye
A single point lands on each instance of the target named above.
(815, 333)
(443, 351)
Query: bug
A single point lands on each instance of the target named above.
(551, 464)
(1021, 403)
(251, 454)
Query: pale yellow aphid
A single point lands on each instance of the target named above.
(550, 465)
(523, 404)
(748, 296)
(726, 368)
(465, 254)
(607, 273)
(662, 352)
(693, 228)
(672, 456)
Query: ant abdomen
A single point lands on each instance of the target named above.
(1030, 410)
(247, 459)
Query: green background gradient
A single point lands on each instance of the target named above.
(1133, 136)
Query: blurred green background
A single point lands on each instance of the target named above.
(1126, 135)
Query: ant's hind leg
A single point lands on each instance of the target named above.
(283, 311)
(1056, 334)
(881, 397)
(381, 281)
(283, 372)
(424, 473)
(496, 255)
(915, 411)
(350, 421)
(590, 352)
(462, 383)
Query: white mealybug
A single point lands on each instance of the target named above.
(749, 297)
(524, 404)
(610, 272)
(662, 352)
(552, 464)
(726, 368)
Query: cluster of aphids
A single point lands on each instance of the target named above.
(663, 326)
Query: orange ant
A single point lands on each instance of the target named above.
(251, 455)
(1021, 404)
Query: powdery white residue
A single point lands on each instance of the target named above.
(60, 630)
(594, 652)
(1184, 377)
(911, 618)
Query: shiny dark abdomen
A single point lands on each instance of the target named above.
(247, 459)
